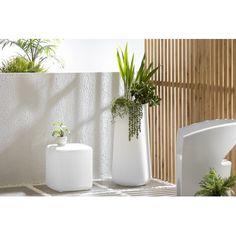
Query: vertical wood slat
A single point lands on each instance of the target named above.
(169, 111)
(172, 126)
(159, 121)
(152, 58)
(162, 146)
(167, 138)
(196, 82)
(154, 120)
(155, 117)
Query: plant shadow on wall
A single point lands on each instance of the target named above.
(31, 112)
(33, 55)
(138, 90)
(94, 118)
(80, 100)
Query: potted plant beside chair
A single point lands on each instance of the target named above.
(213, 184)
(131, 155)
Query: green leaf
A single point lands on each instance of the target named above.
(120, 65)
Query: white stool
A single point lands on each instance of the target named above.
(69, 167)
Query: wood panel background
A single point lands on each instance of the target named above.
(196, 81)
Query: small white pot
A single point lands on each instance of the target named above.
(61, 141)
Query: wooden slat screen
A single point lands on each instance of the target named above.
(197, 82)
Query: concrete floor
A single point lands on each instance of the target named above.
(101, 187)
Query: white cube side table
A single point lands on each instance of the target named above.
(69, 167)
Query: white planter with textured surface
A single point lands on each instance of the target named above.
(69, 167)
(131, 159)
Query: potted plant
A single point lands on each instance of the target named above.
(33, 53)
(131, 157)
(60, 132)
(214, 185)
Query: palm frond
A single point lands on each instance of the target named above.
(35, 51)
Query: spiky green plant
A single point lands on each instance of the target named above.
(35, 51)
(145, 73)
(139, 89)
(143, 89)
(60, 129)
(213, 184)
(126, 69)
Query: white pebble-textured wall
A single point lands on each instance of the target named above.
(30, 103)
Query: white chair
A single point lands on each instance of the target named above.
(202, 146)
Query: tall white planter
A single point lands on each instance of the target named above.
(131, 159)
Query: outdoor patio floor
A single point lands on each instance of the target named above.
(101, 187)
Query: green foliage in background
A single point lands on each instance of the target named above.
(35, 51)
(19, 64)
(60, 129)
(139, 89)
(213, 184)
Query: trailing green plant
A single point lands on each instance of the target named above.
(19, 64)
(60, 129)
(135, 117)
(122, 107)
(35, 51)
(213, 184)
(139, 89)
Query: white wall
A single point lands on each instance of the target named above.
(90, 55)
(31, 102)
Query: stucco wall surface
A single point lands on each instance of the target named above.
(30, 103)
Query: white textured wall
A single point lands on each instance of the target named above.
(31, 102)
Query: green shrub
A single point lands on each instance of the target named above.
(19, 64)
(213, 184)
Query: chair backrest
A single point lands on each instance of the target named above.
(199, 147)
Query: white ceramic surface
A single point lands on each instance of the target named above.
(131, 159)
(202, 146)
(61, 141)
(69, 167)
